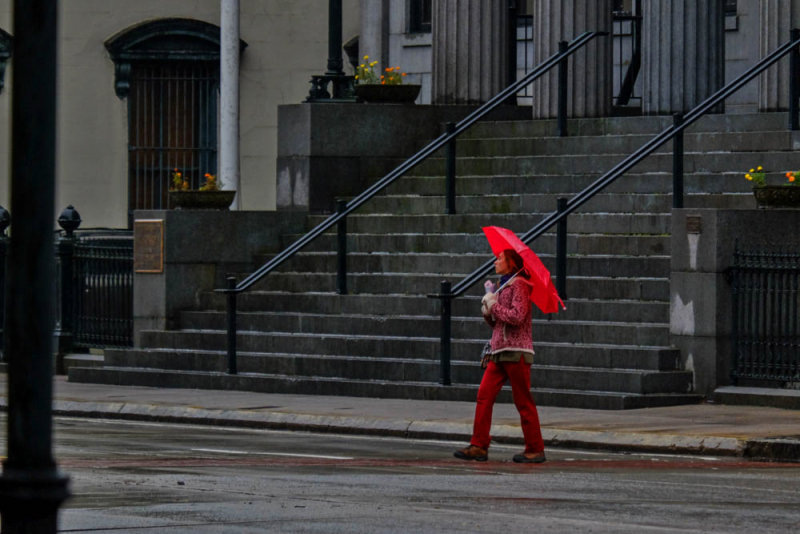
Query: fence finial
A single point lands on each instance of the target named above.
(69, 220)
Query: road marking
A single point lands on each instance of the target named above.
(259, 453)
(220, 451)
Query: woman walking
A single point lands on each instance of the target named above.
(508, 311)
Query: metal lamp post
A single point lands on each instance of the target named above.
(31, 488)
(341, 85)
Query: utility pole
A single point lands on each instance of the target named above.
(31, 488)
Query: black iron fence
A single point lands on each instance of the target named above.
(102, 289)
(94, 284)
(765, 330)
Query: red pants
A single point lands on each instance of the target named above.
(495, 375)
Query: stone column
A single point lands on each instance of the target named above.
(229, 170)
(589, 86)
(683, 53)
(374, 38)
(470, 50)
(777, 18)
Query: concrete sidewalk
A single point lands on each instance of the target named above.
(708, 429)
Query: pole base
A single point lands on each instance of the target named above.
(30, 499)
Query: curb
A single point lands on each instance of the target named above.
(406, 428)
(785, 449)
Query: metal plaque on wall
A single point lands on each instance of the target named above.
(148, 246)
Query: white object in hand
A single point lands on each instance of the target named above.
(488, 286)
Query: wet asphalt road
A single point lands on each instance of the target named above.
(148, 477)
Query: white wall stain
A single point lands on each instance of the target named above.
(693, 241)
(681, 316)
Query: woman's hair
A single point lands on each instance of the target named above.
(515, 260)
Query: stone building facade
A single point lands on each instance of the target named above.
(458, 50)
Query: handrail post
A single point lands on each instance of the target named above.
(65, 249)
(677, 163)
(794, 83)
(450, 171)
(561, 250)
(562, 90)
(232, 325)
(341, 255)
(444, 350)
(5, 222)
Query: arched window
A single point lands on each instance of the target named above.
(168, 70)
(6, 47)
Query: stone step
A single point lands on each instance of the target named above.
(365, 388)
(606, 223)
(600, 163)
(475, 243)
(652, 182)
(539, 203)
(787, 399)
(596, 332)
(744, 122)
(635, 288)
(749, 141)
(322, 338)
(467, 306)
(412, 262)
(547, 354)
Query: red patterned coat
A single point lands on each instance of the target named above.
(510, 318)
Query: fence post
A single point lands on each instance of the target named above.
(231, 325)
(341, 256)
(444, 350)
(450, 172)
(69, 221)
(677, 163)
(562, 90)
(794, 83)
(561, 250)
(5, 221)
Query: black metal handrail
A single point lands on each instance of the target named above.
(565, 207)
(447, 138)
(412, 162)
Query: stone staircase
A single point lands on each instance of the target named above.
(610, 349)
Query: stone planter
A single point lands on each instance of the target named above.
(386, 94)
(201, 200)
(777, 196)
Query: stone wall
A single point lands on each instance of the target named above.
(200, 249)
(703, 243)
(337, 150)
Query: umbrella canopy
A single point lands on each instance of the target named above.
(544, 293)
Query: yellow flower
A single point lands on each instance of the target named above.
(365, 74)
(757, 176)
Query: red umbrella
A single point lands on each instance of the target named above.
(544, 293)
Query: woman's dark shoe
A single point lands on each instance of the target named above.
(530, 458)
(472, 453)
